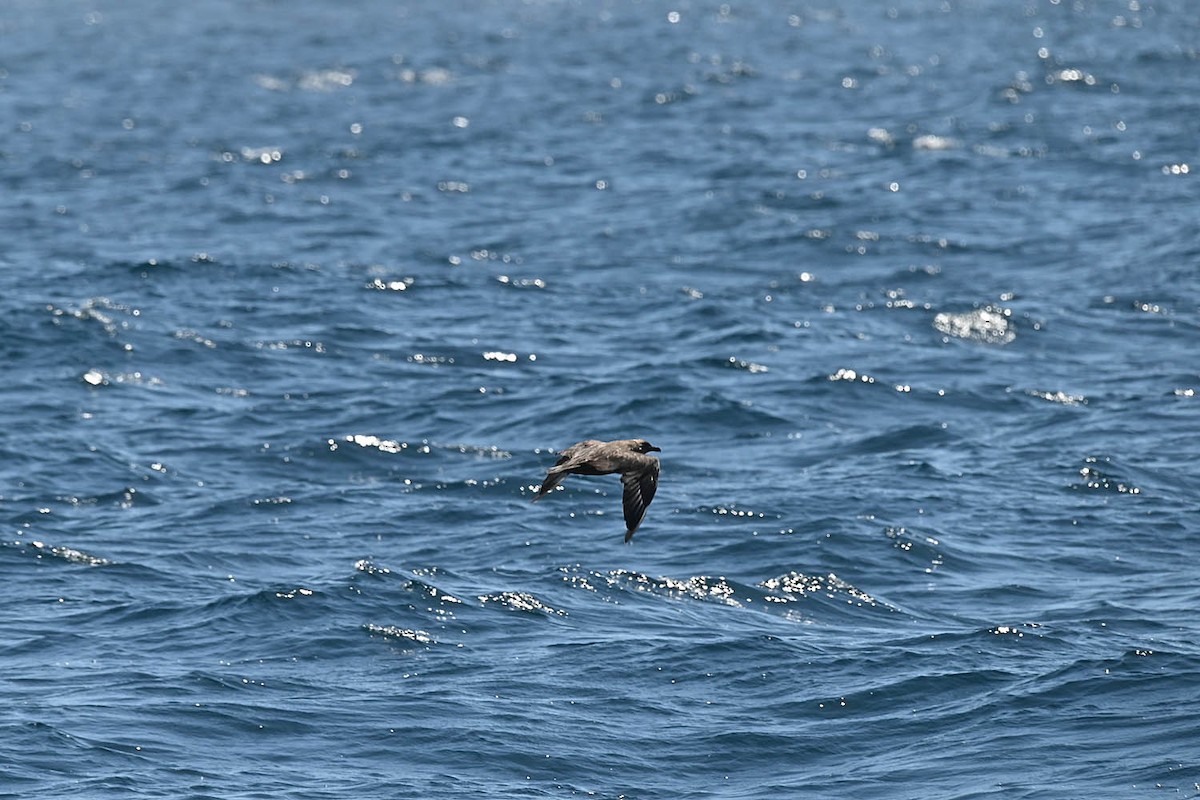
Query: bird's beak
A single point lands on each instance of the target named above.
(654, 449)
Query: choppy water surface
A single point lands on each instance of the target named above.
(298, 299)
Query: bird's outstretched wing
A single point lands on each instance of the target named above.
(640, 486)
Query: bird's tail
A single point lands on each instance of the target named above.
(553, 479)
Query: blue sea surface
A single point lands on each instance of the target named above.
(299, 299)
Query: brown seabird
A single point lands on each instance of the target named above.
(639, 472)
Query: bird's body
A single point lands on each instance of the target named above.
(639, 472)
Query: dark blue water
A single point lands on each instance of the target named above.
(297, 299)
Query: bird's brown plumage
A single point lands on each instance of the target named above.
(639, 472)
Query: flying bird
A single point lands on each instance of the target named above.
(639, 472)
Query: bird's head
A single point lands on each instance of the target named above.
(642, 446)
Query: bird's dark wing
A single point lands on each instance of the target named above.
(640, 486)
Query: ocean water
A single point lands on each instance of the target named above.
(298, 299)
